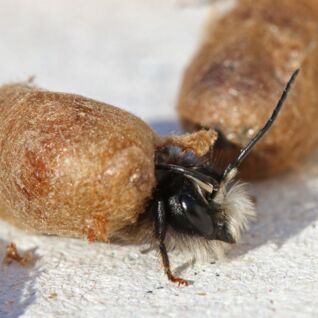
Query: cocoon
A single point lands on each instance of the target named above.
(71, 165)
(238, 73)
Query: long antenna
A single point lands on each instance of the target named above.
(245, 151)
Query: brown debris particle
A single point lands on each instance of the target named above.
(199, 142)
(52, 295)
(12, 255)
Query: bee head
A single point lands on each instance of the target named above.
(215, 208)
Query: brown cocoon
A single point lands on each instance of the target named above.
(238, 75)
(70, 165)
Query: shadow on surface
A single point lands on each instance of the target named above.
(179, 270)
(285, 207)
(17, 290)
(166, 127)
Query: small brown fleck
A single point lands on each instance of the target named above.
(52, 295)
(12, 255)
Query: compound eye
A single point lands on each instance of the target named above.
(197, 214)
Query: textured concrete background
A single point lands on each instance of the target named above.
(132, 53)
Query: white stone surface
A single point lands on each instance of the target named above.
(131, 54)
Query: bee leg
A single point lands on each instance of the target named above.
(160, 229)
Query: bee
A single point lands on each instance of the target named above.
(72, 166)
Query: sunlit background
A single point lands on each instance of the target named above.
(129, 53)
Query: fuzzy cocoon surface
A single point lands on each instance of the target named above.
(238, 75)
(71, 165)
